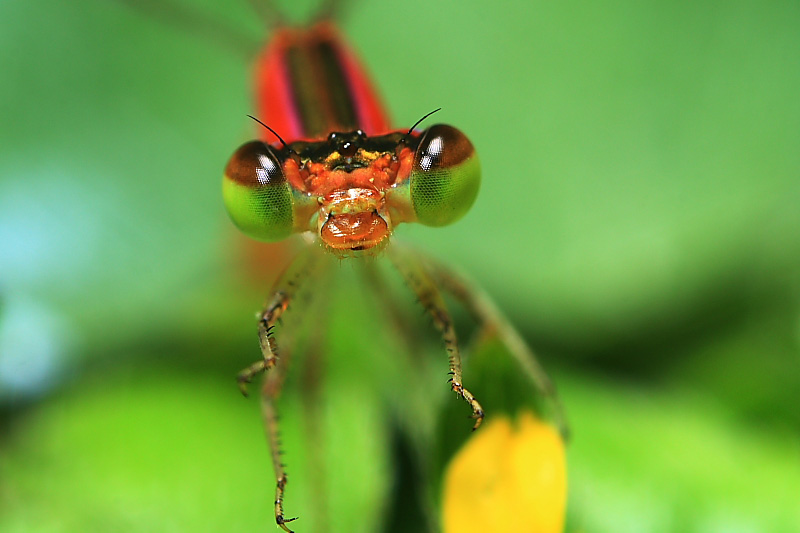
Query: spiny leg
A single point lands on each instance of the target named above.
(492, 320)
(312, 303)
(420, 281)
(269, 392)
(284, 291)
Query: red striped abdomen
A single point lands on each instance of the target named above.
(309, 83)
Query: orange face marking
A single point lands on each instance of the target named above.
(353, 219)
(359, 231)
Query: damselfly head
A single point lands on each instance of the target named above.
(351, 189)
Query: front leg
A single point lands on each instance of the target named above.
(269, 393)
(494, 323)
(269, 348)
(283, 294)
(284, 291)
(420, 281)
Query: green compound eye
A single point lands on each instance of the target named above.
(445, 177)
(258, 197)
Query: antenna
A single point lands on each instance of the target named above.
(275, 133)
(417, 123)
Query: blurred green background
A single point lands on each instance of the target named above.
(639, 221)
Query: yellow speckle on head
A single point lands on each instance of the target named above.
(509, 478)
(369, 156)
(332, 158)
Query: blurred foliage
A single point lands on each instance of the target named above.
(638, 221)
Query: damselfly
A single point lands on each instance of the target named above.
(329, 167)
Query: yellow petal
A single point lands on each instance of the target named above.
(507, 478)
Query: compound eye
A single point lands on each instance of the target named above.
(445, 177)
(257, 196)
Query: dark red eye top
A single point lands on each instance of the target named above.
(442, 147)
(255, 164)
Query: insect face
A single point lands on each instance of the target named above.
(351, 189)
